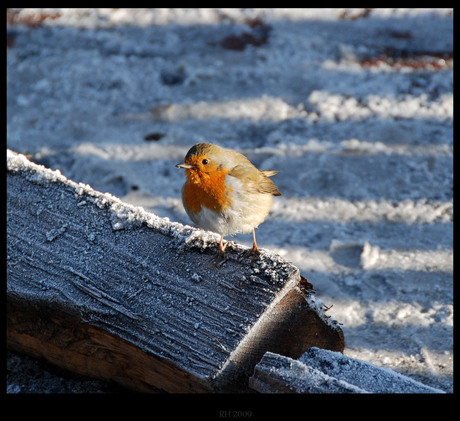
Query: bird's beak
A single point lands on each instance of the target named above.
(184, 165)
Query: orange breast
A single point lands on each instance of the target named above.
(206, 189)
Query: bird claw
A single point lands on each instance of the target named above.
(253, 253)
(219, 259)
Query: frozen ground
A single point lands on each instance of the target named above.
(353, 107)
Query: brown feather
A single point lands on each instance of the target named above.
(257, 181)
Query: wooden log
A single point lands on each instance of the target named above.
(322, 371)
(279, 374)
(108, 290)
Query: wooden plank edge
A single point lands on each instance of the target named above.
(294, 321)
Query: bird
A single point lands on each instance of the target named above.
(225, 192)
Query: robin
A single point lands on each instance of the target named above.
(225, 193)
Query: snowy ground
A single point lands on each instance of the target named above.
(353, 107)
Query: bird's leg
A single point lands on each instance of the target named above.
(221, 252)
(255, 250)
(222, 246)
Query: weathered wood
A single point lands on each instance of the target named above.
(279, 374)
(322, 371)
(111, 291)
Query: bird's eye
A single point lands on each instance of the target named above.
(204, 162)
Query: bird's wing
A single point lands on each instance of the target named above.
(256, 181)
(269, 173)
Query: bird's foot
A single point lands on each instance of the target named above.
(253, 253)
(220, 258)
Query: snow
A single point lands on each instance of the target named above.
(353, 107)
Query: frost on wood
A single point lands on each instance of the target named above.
(322, 371)
(112, 291)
